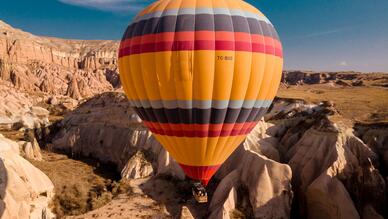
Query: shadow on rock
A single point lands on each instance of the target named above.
(3, 185)
(174, 194)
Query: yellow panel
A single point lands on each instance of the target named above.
(191, 151)
(187, 4)
(176, 4)
(223, 74)
(203, 78)
(156, 6)
(197, 80)
(241, 75)
(276, 80)
(124, 72)
(136, 76)
(257, 75)
(247, 7)
(232, 144)
(148, 69)
(183, 74)
(267, 84)
(127, 81)
(164, 75)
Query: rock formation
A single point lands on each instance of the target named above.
(185, 213)
(31, 150)
(267, 184)
(17, 110)
(33, 63)
(339, 78)
(137, 167)
(334, 174)
(25, 192)
(376, 137)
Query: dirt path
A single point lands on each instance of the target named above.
(86, 189)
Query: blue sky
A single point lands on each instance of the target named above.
(316, 34)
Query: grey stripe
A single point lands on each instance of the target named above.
(194, 11)
(200, 104)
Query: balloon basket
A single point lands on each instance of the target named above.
(199, 192)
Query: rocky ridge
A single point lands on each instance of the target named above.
(346, 79)
(335, 174)
(76, 68)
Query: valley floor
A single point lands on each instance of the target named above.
(367, 104)
(88, 189)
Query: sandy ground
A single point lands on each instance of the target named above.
(75, 180)
(363, 104)
(156, 197)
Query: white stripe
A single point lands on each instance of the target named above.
(194, 11)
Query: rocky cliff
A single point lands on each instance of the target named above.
(335, 78)
(335, 174)
(57, 66)
(25, 192)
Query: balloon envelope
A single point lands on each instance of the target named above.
(200, 74)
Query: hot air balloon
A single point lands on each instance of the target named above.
(200, 74)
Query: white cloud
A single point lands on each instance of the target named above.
(343, 63)
(109, 5)
(327, 32)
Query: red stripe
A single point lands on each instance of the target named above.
(200, 35)
(200, 40)
(202, 173)
(197, 130)
(200, 45)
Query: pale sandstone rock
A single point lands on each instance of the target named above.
(18, 111)
(53, 100)
(185, 213)
(331, 167)
(31, 150)
(267, 182)
(25, 191)
(137, 167)
(72, 89)
(328, 198)
(262, 143)
(220, 205)
(347, 159)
